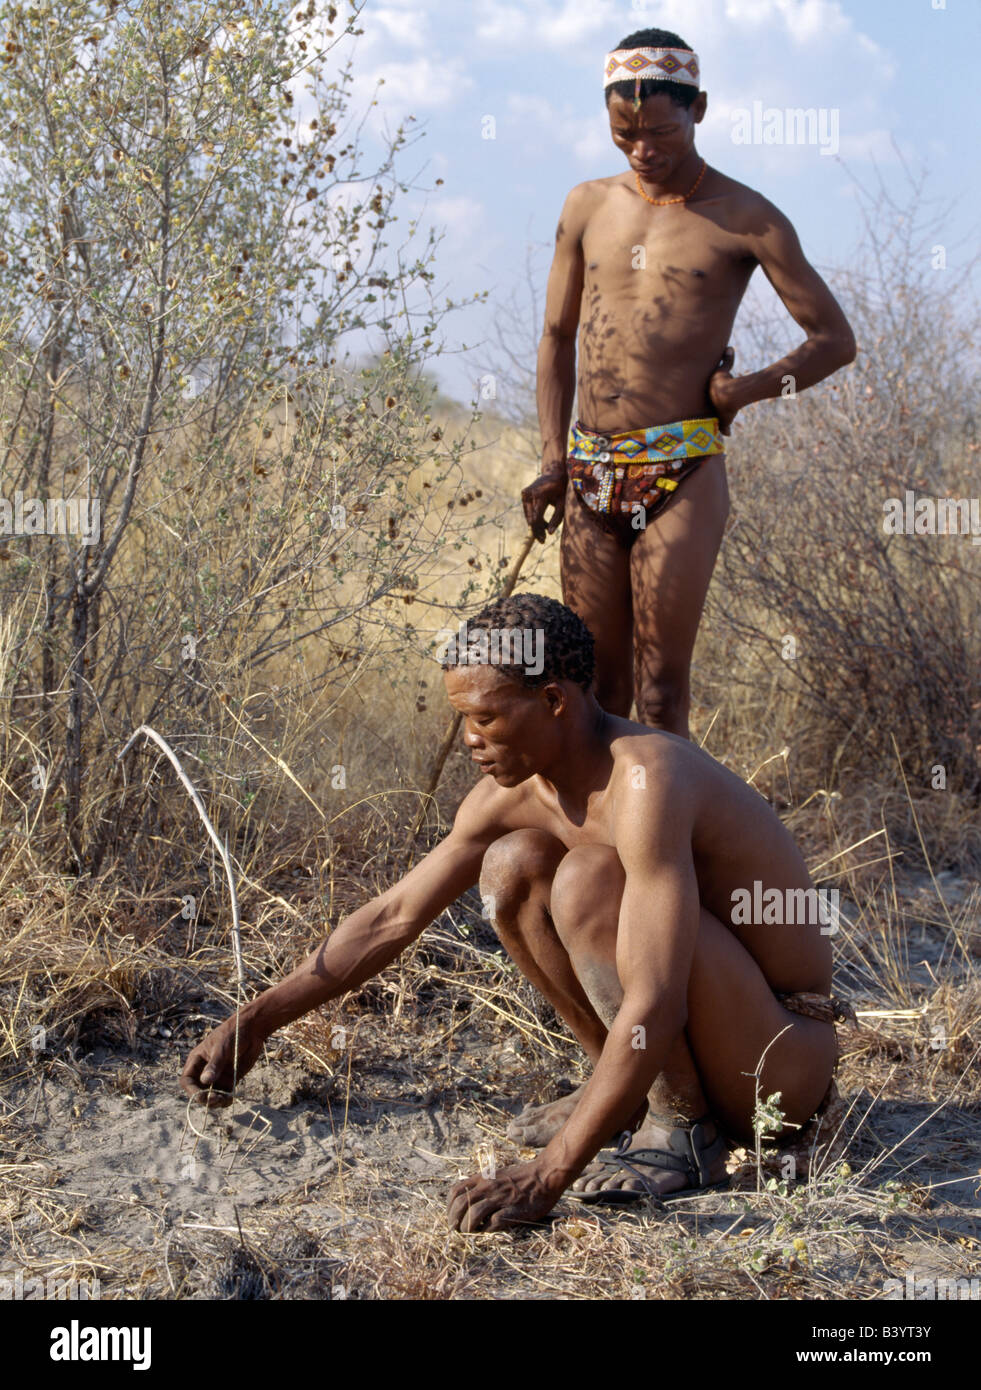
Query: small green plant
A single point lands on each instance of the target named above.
(767, 1116)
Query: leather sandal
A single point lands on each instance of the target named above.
(687, 1153)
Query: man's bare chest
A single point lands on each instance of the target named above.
(673, 254)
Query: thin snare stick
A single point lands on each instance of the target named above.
(222, 848)
(226, 860)
(449, 738)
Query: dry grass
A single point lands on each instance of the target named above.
(449, 1036)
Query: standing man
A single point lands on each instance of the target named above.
(650, 267)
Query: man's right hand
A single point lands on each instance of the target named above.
(547, 490)
(721, 382)
(211, 1071)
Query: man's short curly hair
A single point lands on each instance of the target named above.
(568, 643)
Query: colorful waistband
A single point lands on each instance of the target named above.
(685, 439)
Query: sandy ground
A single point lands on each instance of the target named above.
(331, 1181)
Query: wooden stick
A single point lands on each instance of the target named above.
(454, 725)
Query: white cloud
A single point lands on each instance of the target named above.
(407, 26)
(397, 47)
(460, 216)
(593, 143)
(501, 24)
(426, 83)
(532, 107)
(574, 23)
(542, 127)
(568, 24)
(803, 20)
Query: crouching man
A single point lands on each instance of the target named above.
(610, 856)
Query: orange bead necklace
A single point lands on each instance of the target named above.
(663, 202)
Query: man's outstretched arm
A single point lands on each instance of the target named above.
(362, 945)
(830, 342)
(656, 934)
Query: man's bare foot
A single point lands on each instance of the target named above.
(537, 1125)
(605, 1177)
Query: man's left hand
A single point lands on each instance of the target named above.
(720, 391)
(515, 1196)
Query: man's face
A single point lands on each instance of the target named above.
(511, 731)
(657, 136)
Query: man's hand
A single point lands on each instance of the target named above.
(211, 1071)
(720, 391)
(548, 488)
(516, 1196)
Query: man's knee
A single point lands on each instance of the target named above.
(514, 863)
(586, 892)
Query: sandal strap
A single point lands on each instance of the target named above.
(704, 1153)
(618, 1160)
(657, 1158)
(690, 1155)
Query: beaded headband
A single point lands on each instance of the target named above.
(650, 64)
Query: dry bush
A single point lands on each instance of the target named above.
(856, 647)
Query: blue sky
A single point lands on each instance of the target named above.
(895, 72)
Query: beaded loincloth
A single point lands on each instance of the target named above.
(820, 1006)
(618, 476)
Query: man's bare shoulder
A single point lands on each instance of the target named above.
(583, 199)
(655, 796)
(653, 759)
(594, 188)
(745, 210)
(659, 779)
(489, 810)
